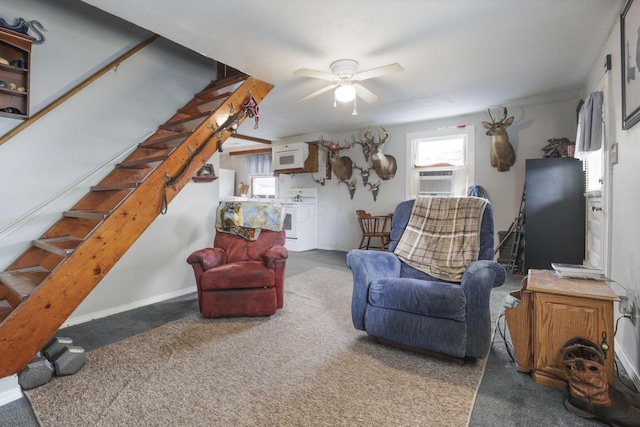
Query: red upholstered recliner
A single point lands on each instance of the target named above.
(240, 277)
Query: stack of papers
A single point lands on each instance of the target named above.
(577, 271)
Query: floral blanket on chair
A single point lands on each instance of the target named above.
(246, 219)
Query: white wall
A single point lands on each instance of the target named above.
(155, 268)
(338, 226)
(52, 163)
(625, 232)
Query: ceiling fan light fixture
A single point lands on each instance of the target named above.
(345, 93)
(346, 80)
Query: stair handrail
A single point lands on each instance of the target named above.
(28, 122)
(64, 192)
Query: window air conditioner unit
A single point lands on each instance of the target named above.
(436, 183)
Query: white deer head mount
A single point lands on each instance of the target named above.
(502, 154)
(384, 165)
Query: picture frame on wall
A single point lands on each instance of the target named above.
(630, 58)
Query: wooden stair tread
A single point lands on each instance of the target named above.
(87, 214)
(205, 104)
(118, 186)
(206, 100)
(226, 82)
(22, 282)
(62, 246)
(169, 141)
(233, 79)
(216, 86)
(188, 123)
(142, 163)
(5, 309)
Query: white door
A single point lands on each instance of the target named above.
(598, 192)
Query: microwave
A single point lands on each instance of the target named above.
(289, 156)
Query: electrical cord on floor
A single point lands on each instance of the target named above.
(615, 329)
(615, 361)
(507, 344)
(622, 381)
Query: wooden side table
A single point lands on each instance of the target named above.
(554, 310)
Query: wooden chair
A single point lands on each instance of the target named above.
(374, 226)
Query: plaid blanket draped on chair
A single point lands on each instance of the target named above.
(443, 235)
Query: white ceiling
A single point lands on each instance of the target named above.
(459, 56)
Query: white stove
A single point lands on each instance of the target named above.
(301, 219)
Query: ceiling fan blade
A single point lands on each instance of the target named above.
(318, 92)
(365, 93)
(377, 72)
(315, 74)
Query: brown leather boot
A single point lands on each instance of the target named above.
(631, 398)
(588, 394)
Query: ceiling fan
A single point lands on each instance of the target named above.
(345, 77)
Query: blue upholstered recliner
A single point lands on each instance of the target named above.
(400, 305)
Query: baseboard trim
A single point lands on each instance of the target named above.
(628, 366)
(10, 390)
(136, 304)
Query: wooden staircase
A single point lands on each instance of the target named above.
(45, 284)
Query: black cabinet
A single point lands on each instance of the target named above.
(554, 212)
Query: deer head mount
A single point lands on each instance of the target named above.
(502, 154)
(374, 188)
(384, 165)
(365, 173)
(342, 166)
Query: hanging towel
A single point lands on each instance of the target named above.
(590, 124)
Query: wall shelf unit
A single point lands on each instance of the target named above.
(15, 48)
